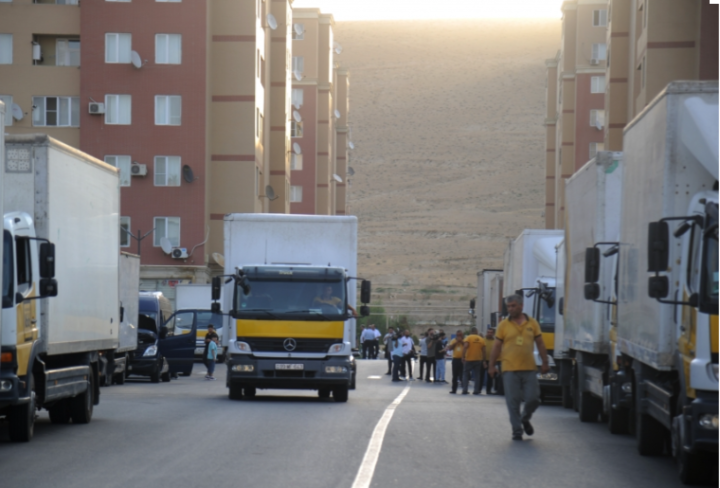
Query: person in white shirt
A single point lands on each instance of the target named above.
(408, 346)
(366, 338)
(376, 341)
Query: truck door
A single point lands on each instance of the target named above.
(178, 346)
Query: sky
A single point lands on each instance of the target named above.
(434, 9)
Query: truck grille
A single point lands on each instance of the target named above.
(288, 374)
(302, 345)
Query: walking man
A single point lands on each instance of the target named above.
(456, 346)
(515, 338)
(423, 353)
(430, 342)
(388, 340)
(376, 341)
(367, 337)
(408, 346)
(397, 356)
(439, 351)
(473, 357)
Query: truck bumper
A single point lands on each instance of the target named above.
(620, 390)
(699, 438)
(143, 366)
(264, 373)
(10, 390)
(550, 381)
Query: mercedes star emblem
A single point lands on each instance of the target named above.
(289, 344)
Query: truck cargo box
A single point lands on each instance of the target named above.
(129, 293)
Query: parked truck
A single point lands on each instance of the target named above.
(197, 297)
(667, 298)
(487, 298)
(585, 339)
(290, 292)
(61, 220)
(529, 271)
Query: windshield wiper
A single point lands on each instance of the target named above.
(307, 311)
(265, 310)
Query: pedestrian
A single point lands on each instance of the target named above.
(430, 342)
(489, 380)
(456, 346)
(211, 358)
(366, 338)
(423, 353)
(388, 341)
(473, 357)
(210, 336)
(514, 339)
(376, 341)
(397, 357)
(439, 351)
(408, 353)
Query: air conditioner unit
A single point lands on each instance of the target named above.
(594, 62)
(138, 169)
(96, 108)
(179, 253)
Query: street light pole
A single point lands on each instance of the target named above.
(138, 238)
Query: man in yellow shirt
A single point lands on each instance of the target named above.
(456, 346)
(515, 338)
(473, 356)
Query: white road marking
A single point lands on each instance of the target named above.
(374, 377)
(367, 467)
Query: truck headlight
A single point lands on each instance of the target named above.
(336, 348)
(335, 369)
(709, 421)
(150, 351)
(243, 347)
(6, 385)
(547, 376)
(626, 387)
(244, 368)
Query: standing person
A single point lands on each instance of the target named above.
(397, 356)
(366, 338)
(388, 341)
(423, 354)
(456, 346)
(489, 341)
(430, 342)
(376, 341)
(408, 349)
(211, 358)
(473, 357)
(439, 351)
(514, 339)
(210, 336)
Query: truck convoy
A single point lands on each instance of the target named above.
(61, 222)
(289, 290)
(529, 271)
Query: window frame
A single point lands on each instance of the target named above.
(593, 82)
(107, 107)
(125, 220)
(296, 162)
(299, 95)
(294, 190)
(167, 161)
(296, 129)
(599, 18)
(168, 36)
(168, 110)
(156, 241)
(12, 47)
(70, 101)
(8, 109)
(295, 35)
(299, 61)
(595, 51)
(118, 50)
(127, 172)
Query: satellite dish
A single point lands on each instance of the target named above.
(270, 193)
(337, 114)
(299, 29)
(298, 75)
(271, 21)
(338, 47)
(337, 178)
(165, 245)
(17, 112)
(296, 148)
(219, 258)
(297, 116)
(188, 174)
(135, 59)
(351, 145)
(351, 171)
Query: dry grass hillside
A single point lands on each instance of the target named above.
(447, 120)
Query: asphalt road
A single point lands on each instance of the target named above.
(189, 434)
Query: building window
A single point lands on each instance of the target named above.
(297, 97)
(122, 163)
(124, 231)
(168, 109)
(167, 170)
(298, 33)
(597, 84)
(168, 48)
(298, 64)
(597, 118)
(296, 129)
(8, 101)
(296, 162)
(595, 147)
(118, 109)
(259, 123)
(166, 227)
(6, 48)
(56, 111)
(600, 18)
(118, 48)
(599, 51)
(67, 52)
(296, 194)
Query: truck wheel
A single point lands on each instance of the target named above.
(21, 418)
(619, 420)
(589, 407)
(119, 379)
(352, 382)
(567, 399)
(340, 394)
(574, 390)
(155, 375)
(249, 391)
(324, 393)
(235, 392)
(60, 412)
(165, 377)
(650, 435)
(81, 407)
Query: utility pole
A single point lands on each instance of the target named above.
(138, 238)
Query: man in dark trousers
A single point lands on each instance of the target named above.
(211, 335)
(456, 346)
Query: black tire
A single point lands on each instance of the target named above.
(340, 394)
(352, 381)
(567, 399)
(574, 390)
(249, 392)
(650, 435)
(119, 379)
(81, 406)
(155, 375)
(21, 418)
(589, 408)
(60, 412)
(165, 377)
(619, 421)
(235, 392)
(324, 392)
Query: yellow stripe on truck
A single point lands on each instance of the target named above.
(714, 334)
(290, 328)
(549, 340)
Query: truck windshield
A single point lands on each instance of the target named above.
(709, 286)
(546, 315)
(296, 300)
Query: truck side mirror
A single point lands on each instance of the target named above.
(47, 260)
(365, 289)
(364, 311)
(658, 287)
(472, 304)
(592, 291)
(48, 287)
(592, 265)
(215, 307)
(657, 251)
(216, 284)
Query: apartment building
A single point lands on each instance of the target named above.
(320, 111)
(190, 100)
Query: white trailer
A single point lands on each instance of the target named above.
(487, 301)
(284, 332)
(59, 194)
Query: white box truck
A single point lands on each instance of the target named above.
(55, 193)
(129, 296)
(667, 300)
(487, 301)
(197, 297)
(290, 291)
(529, 271)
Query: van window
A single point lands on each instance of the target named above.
(182, 323)
(24, 264)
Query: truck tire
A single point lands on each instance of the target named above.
(324, 392)
(567, 399)
(619, 420)
(340, 394)
(21, 418)
(589, 408)
(235, 392)
(119, 379)
(165, 377)
(650, 435)
(352, 381)
(81, 406)
(249, 392)
(60, 412)
(155, 375)
(574, 390)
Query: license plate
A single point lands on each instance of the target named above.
(289, 366)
